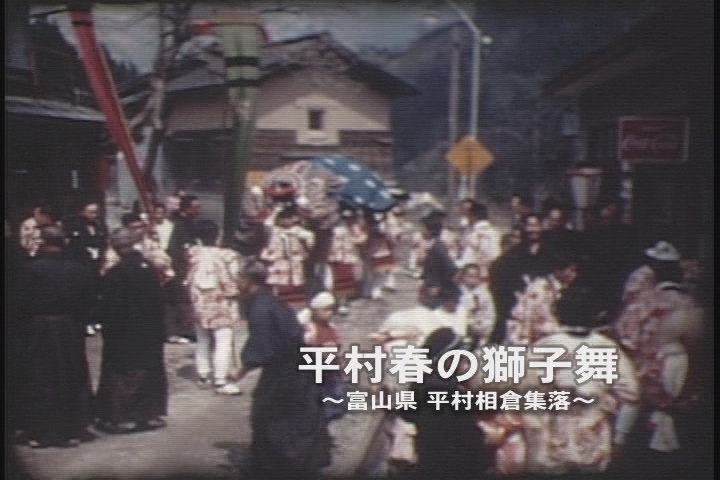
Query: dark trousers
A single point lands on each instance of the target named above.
(179, 315)
(179, 320)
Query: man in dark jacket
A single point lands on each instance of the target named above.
(290, 437)
(55, 293)
(87, 242)
(438, 268)
(529, 258)
(133, 391)
(179, 324)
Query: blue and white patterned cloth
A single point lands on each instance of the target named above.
(362, 187)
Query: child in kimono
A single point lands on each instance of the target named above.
(286, 253)
(379, 257)
(476, 305)
(344, 258)
(320, 331)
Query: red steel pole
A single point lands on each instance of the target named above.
(98, 72)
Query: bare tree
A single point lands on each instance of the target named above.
(175, 30)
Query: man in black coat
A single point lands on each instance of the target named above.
(87, 242)
(87, 236)
(289, 434)
(439, 269)
(530, 258)
(54, 293)
(133, 390)
(179, 325)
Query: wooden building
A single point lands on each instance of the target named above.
(645, 107)
(55, 139)
(316, 97)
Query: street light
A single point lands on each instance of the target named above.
(478, 41)
(585, 186)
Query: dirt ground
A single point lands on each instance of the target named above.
(207, 435)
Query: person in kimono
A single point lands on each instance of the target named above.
(344, 258)
(179, 323)
(419, 246)
(133, 390)
(172, 202)
(405, 327)
(449, 442)
(585, 438)
(286, 254)
(161, 227)
(87, 241)
(55, 292)
(378, 256)
(476, 305)
(149, 247)
(639, 294)
(521, 207)
(448, 311)
(212, 280)
(510, 240)
(558, 230)
(394, 226)
(87, 236)
(480, 240)
(663, 340)
(290, 438)
(533, 315)
(508, 273)
(321, 331)
(31, 226)
(672, 390)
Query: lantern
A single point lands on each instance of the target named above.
(585, 187)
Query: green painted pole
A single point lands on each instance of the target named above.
(239, 32)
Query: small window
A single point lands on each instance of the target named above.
(315, 119)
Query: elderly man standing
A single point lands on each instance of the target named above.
(55, 294)
(289, 435)
(133, 389)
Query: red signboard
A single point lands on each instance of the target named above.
(653, 139)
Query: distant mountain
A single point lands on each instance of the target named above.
(520, 126)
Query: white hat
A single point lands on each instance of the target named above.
(322, 300)
(663, 251)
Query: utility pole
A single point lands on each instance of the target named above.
(239, 32)
(468, 181)
(453, 105)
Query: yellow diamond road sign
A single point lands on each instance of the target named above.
(469, 156)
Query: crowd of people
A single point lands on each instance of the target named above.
(541, 285)
(165, 276)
